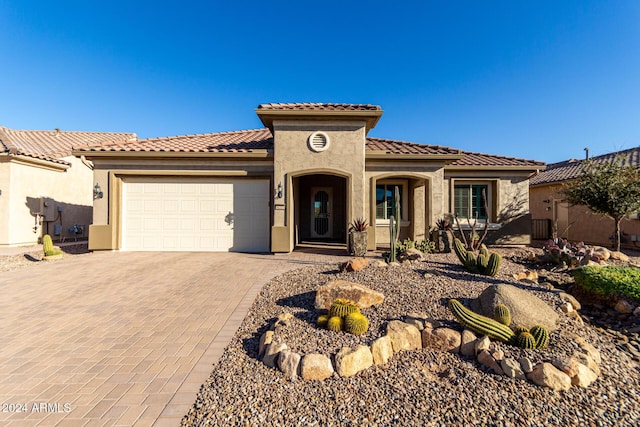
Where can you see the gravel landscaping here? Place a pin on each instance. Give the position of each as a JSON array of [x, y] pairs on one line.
[[422, 387]]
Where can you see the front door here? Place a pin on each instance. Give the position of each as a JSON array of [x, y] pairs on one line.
[[321, 205]]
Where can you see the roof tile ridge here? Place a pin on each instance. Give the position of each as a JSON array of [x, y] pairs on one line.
[[500, 156], [196, 135], [413, 143]]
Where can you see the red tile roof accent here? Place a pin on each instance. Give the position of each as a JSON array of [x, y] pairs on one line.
[[572, 169], [224, 142], [471, 159], [52, 145], [311, 106], [400, 147]]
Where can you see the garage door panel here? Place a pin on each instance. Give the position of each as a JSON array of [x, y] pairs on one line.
[[196, 215]]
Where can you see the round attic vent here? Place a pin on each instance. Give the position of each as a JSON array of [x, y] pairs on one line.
[[318, 141]]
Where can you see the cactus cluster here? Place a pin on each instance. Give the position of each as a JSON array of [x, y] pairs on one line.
[[498, 328], [344, 315], [485, 263]]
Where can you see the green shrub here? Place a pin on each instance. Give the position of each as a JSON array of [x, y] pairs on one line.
[[610, 280], [426, 246]]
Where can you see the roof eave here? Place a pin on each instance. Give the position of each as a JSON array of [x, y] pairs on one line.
[[259, 154], [530, 168], [34, 161], [385, 155], [267, 116]]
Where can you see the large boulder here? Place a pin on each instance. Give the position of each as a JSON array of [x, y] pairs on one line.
[[547, 375], [360, 294], [526, 308]]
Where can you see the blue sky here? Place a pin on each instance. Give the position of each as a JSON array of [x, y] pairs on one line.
[[539, 80]]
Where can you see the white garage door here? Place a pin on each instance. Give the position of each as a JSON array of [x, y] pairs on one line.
[[195, 215]]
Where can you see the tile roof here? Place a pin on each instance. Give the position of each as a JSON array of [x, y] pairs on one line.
[[223, 142], [571, 169], [247, 141], [472, 159], [311, 106], [400, 147], [52, 145]]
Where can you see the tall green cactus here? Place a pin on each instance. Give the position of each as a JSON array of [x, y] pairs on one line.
[[480, 324]]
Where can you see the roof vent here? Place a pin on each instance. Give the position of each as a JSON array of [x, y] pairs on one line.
[[318, 141]]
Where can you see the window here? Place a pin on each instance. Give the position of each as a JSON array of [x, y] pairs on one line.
[[468, 201], [385, 201]]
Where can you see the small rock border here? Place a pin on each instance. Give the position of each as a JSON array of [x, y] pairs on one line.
[[418, 331]]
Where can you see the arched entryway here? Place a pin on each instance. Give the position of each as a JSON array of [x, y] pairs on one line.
[[320, 209]]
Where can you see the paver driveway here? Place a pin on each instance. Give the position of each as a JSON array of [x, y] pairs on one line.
[[122, 338]]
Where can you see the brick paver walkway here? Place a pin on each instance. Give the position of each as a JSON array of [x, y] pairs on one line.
[[122, 338]]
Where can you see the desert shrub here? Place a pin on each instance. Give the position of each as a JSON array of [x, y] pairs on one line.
[[610, 280]]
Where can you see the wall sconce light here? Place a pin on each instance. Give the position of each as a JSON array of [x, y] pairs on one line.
[[546, 201], [97, 192], [279, 191]]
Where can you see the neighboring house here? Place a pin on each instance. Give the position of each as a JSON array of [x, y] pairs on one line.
[[553, 217], [43, 187], [304, 177]]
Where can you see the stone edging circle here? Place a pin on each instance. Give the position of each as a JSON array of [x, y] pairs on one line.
[[417, 331]]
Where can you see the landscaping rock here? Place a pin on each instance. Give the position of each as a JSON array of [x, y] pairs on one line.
[[636, 312], [355, 264], [526, 364], [487, 360], [441, 339], [547, 375], [416, 319], [583, 377], [568, 365], [468, 343], [482, 344], [588, 361], [593, 352], [512, 368], [526, 308], [272, 352], [575, 316], [570, 299], [602, 253], [281, 321], [382, 350], [403, 336], [265, 340], [432, 323], [361, 295], [566, 307], [624, 307], [288, 362], [315, 367], [351, 361], [619, 256]]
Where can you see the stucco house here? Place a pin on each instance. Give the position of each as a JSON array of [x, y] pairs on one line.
[[43, 187], [553, 217], [303, 177]]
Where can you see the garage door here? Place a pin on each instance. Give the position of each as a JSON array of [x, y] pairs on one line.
[[195, 215]]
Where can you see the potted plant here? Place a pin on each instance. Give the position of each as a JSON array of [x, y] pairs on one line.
[[442, 234], [358, 237]]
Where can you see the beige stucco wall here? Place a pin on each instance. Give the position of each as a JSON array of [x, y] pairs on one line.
[[71, 190], [293, 157], [5, 195], [583, 225], [423, 184]]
